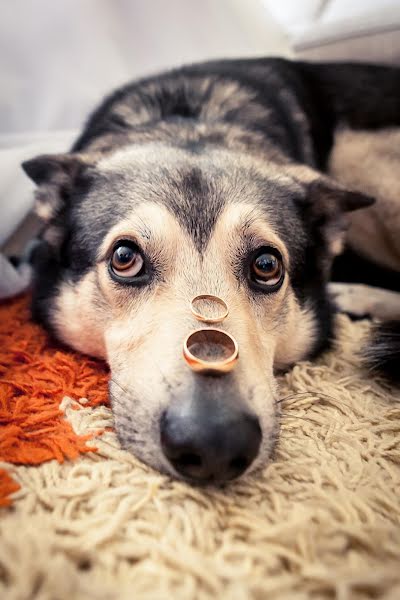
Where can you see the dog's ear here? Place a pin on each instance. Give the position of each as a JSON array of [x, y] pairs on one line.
[[326, 206], [328, 197], [46, 167], [55, 175]]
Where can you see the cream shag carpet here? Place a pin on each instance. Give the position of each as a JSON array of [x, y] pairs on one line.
[[321, 522]]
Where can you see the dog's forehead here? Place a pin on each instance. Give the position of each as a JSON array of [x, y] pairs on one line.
[[162, 168], [194, 188]]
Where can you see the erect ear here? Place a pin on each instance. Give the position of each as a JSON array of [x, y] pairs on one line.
[[326, 205], [55, 175], [330, 197]]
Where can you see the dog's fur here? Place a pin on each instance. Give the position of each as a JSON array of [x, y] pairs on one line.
[[200, 167]]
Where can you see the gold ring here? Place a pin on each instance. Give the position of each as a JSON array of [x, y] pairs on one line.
[[200, 346], [204, 318]]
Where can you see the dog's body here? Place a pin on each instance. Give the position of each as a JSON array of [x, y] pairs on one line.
[[198, 177]]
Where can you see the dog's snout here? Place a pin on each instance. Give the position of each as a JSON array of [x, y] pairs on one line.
[[210, 445]]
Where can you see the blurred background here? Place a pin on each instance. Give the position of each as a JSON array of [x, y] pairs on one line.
[[58, 58]]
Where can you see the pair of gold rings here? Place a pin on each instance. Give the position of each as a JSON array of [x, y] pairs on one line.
[[210, 350]]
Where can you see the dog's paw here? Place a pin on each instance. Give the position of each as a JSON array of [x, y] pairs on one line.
[[360, 300], [351, 299]]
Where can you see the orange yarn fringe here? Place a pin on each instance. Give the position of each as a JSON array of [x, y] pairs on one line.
[[35, 374], [7, 487]]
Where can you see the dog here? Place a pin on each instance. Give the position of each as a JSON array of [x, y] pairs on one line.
[[250, 180]]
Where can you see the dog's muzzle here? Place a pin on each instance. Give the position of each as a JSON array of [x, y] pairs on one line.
[[210, 435]]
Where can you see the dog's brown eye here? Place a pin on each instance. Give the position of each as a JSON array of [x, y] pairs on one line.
[[267, 268], [126, 260]]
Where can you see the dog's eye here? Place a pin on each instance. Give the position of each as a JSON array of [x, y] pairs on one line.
[[266, 269], [126, 260]]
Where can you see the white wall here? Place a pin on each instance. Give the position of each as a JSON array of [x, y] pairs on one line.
[[59, 57]]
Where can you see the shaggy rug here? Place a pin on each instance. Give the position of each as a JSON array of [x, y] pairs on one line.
[[81, 519]]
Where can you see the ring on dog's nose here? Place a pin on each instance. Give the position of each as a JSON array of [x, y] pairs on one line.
[[213, 299], [210, 351]]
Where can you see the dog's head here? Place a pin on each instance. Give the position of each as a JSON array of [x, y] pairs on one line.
[[133, 237]]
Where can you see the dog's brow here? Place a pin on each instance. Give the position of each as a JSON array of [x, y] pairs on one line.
[[143, 229], [256, 229], [250, 219], [146, 226], [141, 234]]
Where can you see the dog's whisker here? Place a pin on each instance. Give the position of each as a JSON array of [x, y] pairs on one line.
[[298, 395], [302, 418], [295, 395], [164, 377], [113, 380]]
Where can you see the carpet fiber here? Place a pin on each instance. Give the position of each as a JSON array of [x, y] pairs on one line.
[[81, 519]]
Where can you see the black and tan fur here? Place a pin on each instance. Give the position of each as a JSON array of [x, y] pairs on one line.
[[200, 167]]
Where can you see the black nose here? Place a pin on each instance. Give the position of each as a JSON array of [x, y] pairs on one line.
[[210, 445]]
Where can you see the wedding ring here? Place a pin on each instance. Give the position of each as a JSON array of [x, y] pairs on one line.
[[210, 351], [209, 298]]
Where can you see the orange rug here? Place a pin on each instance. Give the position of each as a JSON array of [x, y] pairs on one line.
[[35, 375]]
